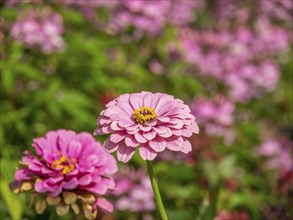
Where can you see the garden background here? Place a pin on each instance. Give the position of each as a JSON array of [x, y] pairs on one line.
[[230, 61]]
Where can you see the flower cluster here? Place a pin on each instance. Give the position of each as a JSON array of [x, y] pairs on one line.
[[237, 50], [133, 191], [68, 169], [40, 29], [145, 16], [152, 121], [216, 116], [278, 152], [151, 16]]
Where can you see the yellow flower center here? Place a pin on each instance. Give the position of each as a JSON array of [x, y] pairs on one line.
[[65, 164], [144, 115]]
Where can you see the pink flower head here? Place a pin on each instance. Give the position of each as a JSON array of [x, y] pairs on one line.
[[67, 167], [150, 121]]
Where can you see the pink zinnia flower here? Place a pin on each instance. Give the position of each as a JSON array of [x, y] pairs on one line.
[[67, 167], [150, 121]]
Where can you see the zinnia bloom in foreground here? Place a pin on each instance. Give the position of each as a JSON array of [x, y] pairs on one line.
[[150, 121], [69, 169]]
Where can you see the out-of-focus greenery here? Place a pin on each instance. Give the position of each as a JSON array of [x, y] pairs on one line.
[[68, 90]]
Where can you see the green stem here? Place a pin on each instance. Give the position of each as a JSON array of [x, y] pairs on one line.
[[156, 191], [53, 214]]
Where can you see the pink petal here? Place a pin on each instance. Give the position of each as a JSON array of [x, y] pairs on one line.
[[163, 131], [175, 144], [135, 101], [123, 98], [145, 128], [98, 131], [114, 110], [186, 133], [106, 129], [85, 180], [163, 119], [98, 188], [147, 100], [149, 135], [158, 144], [103, 120], [162, 101], [140, 138], [179, 124], [186, 147], [147, 153], [74, 149], [126, 108], [115, 126], [110, 146], [194, 128], [104, 204], [124, 153], [131, 142], [177, 132], [116, 137], [72, 184]]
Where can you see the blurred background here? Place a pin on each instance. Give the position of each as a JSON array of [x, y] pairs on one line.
[[230, 61]]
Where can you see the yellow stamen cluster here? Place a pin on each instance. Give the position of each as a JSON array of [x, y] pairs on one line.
[[144, 115], [63, 163]]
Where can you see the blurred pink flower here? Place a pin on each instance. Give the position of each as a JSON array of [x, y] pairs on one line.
[[133, 191], [156, 67], [237, 49], [152, 121], [67, 167], [216, 116], [40, 28], [229, 215], [151, 16], [278, 152]]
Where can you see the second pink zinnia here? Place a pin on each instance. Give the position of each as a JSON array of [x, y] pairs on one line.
[[150, 121]]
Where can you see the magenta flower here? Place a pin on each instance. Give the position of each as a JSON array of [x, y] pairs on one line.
[[150, 121], [68, 167]]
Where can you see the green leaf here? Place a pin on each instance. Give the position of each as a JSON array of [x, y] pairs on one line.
[[12, 201]]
